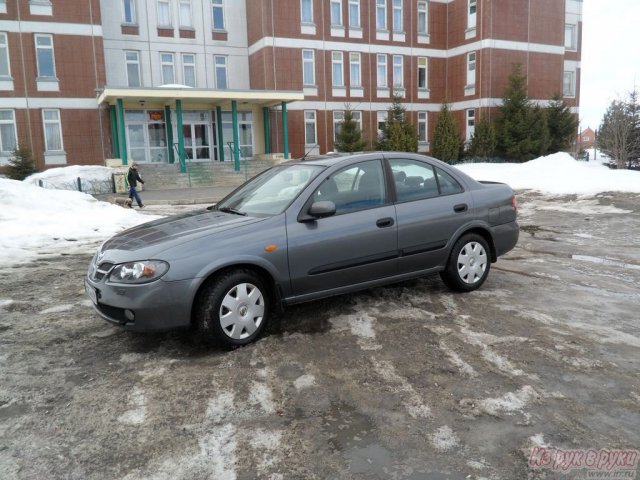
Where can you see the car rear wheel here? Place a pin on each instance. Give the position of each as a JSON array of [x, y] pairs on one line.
[[468, 265], [233, 308]]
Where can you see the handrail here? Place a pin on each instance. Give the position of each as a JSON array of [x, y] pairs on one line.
[[243, 159], [183, 161]]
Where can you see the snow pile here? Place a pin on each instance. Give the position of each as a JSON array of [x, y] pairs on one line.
[[94, 179], [36, 219], [557, 174]]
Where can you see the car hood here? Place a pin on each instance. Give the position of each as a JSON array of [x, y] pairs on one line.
[[165, 233]]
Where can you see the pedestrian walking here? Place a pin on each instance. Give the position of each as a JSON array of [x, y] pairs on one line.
[[133, 177]]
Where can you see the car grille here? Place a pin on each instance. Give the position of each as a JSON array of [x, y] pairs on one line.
[[102, 270]]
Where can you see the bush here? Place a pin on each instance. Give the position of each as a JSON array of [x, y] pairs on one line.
[[21, 164]]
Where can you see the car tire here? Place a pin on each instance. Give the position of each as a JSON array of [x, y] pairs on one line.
[[468, 265], [233, 308]]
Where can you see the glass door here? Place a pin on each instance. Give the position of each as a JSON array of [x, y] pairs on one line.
[[196, 131]]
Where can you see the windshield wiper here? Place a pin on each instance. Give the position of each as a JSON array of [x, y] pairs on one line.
[[231, 210]]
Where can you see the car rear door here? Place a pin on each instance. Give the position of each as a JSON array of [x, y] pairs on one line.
[[357, 244], [431, 206]]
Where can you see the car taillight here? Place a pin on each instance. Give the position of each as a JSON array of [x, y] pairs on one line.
[[514, 203]]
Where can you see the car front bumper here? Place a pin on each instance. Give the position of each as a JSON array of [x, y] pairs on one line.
[[146, 307]]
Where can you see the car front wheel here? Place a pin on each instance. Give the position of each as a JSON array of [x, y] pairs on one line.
[[233, 308], [468, 265]]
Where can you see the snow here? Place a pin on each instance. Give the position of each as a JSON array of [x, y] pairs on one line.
[[36, 221]]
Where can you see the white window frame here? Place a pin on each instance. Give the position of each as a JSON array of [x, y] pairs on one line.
[[217, 67], [423, 126], [398, 71], [569, 88], [337, 66], [471, 69], [53, 56], [310, 118], [335, 6], [381, 118], [472, 14], [470, 122], [46, 123], [160, 7], [381, 14], [132, 11], [382, 72], [189, 64], [423, 18], [310, 82], [3, 149], [4, 52], [423, 64], [398, 21], [309, 20], [185, 6], [3, 6], [218, 5], [354, 19], [338, 118], [355, 69], [128, 62], [570, 36], [164, 63]]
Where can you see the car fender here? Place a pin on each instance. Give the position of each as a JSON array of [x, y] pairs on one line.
[[472, 225]]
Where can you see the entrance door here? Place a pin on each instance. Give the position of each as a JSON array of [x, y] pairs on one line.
[[196, 141]]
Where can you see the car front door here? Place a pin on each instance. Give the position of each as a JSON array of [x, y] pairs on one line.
[[431, 206], [356, 244]]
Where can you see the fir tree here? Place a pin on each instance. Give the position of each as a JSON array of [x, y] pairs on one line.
[[398, 134], [21, 164], [349, 136], [446, 143], [563, 125], [484, 141]]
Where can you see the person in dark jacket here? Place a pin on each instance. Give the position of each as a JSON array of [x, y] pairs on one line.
[[133, 177]]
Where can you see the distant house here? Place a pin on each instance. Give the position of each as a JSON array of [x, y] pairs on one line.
[[586, 139]]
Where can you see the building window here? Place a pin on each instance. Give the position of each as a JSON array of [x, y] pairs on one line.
[[471, 69], [52, 130], [129, 11], [381, 14], [570, 37], [354, 70], [132, 60], [422, 127], [164, 13], [308, 67], [381, 118], [310, 127], [189, 69], [44, 56], [423, 18], [336, 13], [5, 69], [306, 11], [8, 132], [220, 62], [398, 71], [471, 123], [336, 69], [146, 135], [338, 118], [382, 71], [354, 13], [168, 68], [471, 16], [217, 12], [3, 6], [185, 14], [397, 15], [569, 84], [422, 73]]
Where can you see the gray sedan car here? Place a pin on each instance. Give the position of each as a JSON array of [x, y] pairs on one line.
[[300, 231]]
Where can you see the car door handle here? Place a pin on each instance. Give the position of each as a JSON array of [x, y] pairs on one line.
[[461, 207], [385, 222]]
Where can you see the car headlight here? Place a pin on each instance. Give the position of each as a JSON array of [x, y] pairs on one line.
[[143, 271]]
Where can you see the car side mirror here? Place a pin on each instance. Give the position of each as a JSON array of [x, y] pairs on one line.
[[317, 210]]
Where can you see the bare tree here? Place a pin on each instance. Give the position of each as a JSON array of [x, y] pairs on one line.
[[617, 136]]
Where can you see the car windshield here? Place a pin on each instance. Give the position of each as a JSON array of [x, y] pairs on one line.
[[271, 192]]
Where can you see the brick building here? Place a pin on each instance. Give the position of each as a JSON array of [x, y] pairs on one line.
[[158, 81], [51, 63]]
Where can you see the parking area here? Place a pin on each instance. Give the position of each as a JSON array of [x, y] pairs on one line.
[[409, 381]]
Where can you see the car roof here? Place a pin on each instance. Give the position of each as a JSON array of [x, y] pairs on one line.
[[330, 159]]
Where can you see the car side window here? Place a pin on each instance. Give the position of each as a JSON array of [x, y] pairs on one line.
[[353, 188], [414, 180], [448, 184]]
